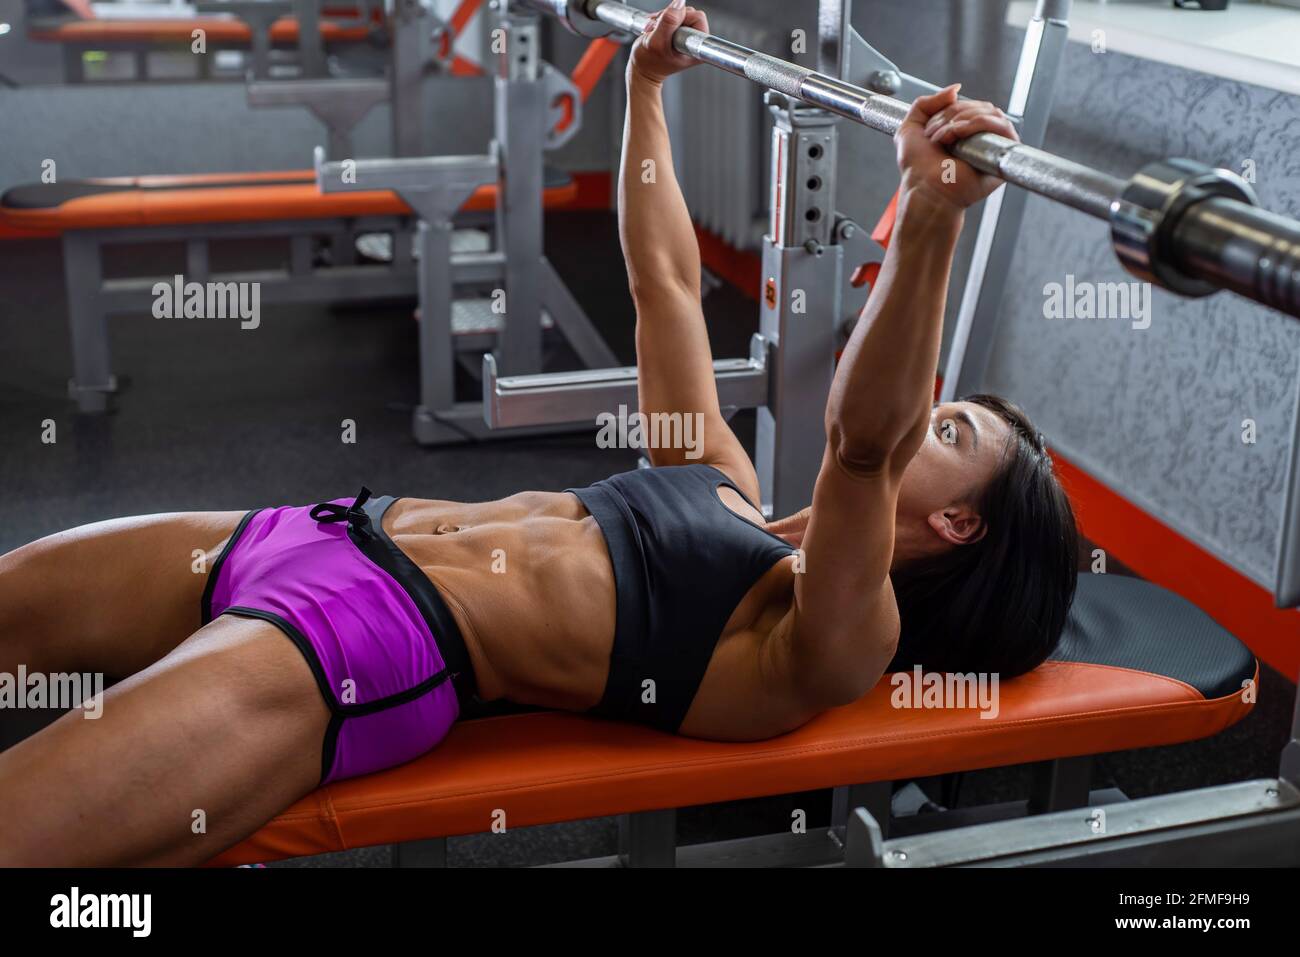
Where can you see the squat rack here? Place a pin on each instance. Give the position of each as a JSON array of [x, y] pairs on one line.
[[1181, 225]]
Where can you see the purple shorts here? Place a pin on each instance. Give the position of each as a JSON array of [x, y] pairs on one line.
[[363, 615]]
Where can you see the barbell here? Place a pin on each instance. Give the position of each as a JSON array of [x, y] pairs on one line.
[[1177, 223]]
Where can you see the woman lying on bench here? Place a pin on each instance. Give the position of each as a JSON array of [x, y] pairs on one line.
[[937, 535]]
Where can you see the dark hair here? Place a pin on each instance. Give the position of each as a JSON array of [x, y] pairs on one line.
[[997, 605]]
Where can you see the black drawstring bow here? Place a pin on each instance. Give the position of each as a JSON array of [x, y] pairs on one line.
[[330, 513]]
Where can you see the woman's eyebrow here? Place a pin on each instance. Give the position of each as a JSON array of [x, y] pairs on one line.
[[964, 416]]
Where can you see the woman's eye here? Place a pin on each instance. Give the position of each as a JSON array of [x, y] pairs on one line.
[[948, 432]]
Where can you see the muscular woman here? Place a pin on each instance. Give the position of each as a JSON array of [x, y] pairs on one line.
[[324, 642]]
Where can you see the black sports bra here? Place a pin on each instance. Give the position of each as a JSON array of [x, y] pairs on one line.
[[682, 563]]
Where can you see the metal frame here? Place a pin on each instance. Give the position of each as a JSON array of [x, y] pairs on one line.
[[649, 838], [1188, 228], [434, 188], [92, 299], [808, 302], [339, 104], [526, 94]]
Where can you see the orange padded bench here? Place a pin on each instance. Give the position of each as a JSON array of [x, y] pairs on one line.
[[89, 33], [1138, 667], [199, 209], [113, 203]]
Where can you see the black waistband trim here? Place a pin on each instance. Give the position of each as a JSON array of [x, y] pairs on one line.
[[205, 604]]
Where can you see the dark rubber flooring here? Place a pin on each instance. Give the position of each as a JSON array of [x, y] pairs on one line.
[[213, 417]]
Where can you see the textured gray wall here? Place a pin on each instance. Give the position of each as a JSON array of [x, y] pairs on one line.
[[1157, 413]]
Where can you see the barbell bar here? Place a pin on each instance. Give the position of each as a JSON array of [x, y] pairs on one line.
[[1177, 223]]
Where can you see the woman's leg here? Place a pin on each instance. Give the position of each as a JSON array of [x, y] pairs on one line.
[[189, 756], [112, 597]]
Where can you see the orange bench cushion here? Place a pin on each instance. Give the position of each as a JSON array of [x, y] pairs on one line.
[[547, 767], [218, 30], [226, 197]]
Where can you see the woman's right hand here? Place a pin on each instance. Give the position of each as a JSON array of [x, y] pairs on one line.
[[653, 55], [936, 122]]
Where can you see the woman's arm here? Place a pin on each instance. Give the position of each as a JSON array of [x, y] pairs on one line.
[[674, 361], [844, 629]]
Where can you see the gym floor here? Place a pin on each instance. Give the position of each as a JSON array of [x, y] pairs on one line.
[[192, 431]]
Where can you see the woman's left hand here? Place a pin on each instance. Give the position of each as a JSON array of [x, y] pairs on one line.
[[653, 55]]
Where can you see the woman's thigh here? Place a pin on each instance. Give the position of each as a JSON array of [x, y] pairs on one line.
[[188, 757], [112, 597]]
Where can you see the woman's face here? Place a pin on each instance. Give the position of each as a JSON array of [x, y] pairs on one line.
[[942, 484]]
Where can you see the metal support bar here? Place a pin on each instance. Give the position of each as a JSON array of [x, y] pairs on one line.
[[1286, 581], [975, 333], [1290, 767], [833, 29], [339, 104], [521, 114], [259, 15], [799, 310], [875, 797], [311, 48], [412, 25], [1253, 822], [1224, 242], [92, 381], [556, 398]]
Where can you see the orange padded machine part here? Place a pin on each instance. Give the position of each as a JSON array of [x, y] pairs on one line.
[[90, 32], [551, 766], [587, 73], [227, 197]]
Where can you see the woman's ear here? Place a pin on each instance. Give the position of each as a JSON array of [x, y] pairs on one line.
[[958, 525]]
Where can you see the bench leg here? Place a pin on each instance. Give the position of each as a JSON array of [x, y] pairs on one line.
[[92, 378], [437, 348], [875, 797], [648, 839], [1060, 785], [428, 853]]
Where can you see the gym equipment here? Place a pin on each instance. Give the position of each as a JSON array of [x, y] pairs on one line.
[[809, 246], [1183, 226], [538, 109], [196, 210], [261, 26]]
